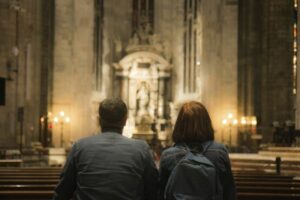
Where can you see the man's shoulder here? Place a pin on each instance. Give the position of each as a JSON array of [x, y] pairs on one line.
[[108, 136], [136, 142], [85, 141]]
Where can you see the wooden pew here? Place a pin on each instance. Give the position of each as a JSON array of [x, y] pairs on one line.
[[11, 162], [267, 196], [26, 195], [268, 189], [30, 169], [28, 183], [272, 163], [266, 186], [39, 184], [27, 187]]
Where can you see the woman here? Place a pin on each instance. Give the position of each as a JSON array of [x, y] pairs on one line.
[[193, 128]]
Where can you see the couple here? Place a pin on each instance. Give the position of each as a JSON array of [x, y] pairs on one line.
[[111, 166]]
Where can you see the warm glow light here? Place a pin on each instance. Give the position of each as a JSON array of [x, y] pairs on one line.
[[235, 121], [67, 119], [243, 121], [55, 119], [62, 113], [254, 122], [198, 63], [224, 121], [42, 119], [230, 115], [49, 114]]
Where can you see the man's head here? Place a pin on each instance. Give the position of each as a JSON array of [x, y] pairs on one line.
[[112, 114]]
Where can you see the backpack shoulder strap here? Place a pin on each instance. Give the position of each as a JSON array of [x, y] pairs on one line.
[[205, 146]]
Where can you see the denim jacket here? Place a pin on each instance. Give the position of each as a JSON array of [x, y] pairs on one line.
[[108, 166], [216, 153]]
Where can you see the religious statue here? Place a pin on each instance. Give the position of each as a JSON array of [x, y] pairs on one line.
[[143, 117], [143, 99]]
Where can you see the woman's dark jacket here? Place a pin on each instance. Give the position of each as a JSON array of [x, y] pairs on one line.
[[216, 153]]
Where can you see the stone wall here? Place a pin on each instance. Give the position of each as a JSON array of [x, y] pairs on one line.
[[217, 85], [21, 25], [265, 62], [168, 24], [219, 63], [7, 40], [297, 103], [63, 79], [74, 81], [277, 100], [72, 76]]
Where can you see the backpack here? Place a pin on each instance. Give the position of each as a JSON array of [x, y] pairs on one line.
[[194, 177]]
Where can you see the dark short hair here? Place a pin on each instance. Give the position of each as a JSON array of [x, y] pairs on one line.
[[112, 113], [193, 124]]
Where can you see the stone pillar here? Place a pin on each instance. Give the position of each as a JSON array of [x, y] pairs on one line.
[[297, 117], [73, 65], [218, 66], [117, 26], [161, 99], [22, 30], [277, 97], [169, 26]]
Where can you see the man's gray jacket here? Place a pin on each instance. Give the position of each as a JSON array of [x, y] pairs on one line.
[[108, 166]]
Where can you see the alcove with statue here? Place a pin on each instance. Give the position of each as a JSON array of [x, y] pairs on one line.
[[143, 77]]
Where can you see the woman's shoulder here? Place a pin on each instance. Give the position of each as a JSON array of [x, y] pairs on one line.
[[171, 156], [217, 145], [216, 149], [174, 151]]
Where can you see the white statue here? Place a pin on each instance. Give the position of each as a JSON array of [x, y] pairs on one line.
[[143, 99]]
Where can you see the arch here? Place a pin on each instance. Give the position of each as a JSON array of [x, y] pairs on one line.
[[143, 57]]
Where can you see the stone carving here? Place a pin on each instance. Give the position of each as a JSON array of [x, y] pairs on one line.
[[145, 39], [143, 117], [143, 74], [143, 99]]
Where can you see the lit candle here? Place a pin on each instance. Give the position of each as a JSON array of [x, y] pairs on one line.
[[254, 122], [224, 121], [62, 113], [235, 122], [67, 119], [243, 121]]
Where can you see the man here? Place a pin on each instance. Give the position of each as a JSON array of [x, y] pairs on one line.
[[109, 165]]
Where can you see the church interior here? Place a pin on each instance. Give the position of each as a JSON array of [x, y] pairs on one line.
[[59, 59]]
